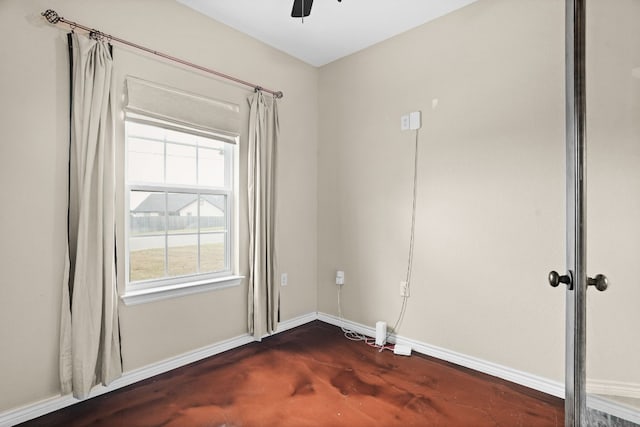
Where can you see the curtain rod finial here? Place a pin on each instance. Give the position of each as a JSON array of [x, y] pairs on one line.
[[51, 16], [278, 94]]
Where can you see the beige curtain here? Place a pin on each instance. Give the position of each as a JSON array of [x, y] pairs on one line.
[[90, 338], [264, 297]]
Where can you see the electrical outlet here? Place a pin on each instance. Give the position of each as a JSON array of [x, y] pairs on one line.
[[284, 279], [404, 122], [404, 289], [339, 278]]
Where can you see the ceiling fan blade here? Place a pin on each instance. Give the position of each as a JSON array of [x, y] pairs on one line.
[[301, 8]]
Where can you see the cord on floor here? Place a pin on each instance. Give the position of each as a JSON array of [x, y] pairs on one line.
[[356, 336]]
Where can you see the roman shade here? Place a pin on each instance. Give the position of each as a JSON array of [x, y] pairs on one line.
[[169, 105]]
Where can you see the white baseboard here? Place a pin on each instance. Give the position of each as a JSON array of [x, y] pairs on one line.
[[614, 388], [545, 385], [29, 412], [296, 321]]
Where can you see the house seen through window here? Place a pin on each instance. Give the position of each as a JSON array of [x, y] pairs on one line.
[[180, 197]]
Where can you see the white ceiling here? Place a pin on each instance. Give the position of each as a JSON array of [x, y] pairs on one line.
[[333, 30]]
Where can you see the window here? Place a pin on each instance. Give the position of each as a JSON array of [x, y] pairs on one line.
[[179, 199], [180, 191]]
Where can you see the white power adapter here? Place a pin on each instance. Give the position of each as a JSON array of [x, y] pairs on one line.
[[381, 332], [402, 350]]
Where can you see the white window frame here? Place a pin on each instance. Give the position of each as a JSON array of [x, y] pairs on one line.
[[139, 292]]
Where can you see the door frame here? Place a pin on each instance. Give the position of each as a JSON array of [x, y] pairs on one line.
[[576, 292]]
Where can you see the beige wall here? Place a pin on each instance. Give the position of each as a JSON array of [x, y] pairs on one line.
[[490, 210], [491, 204], [33, 166]]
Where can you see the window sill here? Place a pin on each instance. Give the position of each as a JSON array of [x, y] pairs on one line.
[[144, 296]]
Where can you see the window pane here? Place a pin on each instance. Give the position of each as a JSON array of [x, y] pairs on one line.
[[138, 130], [212, 252], [146, 231], [212, 213], [181, 164], [182, 209], [146, 213], [182, 254], [146, 258], [211, 162], [210, 143], [145, 160], [181, 137]]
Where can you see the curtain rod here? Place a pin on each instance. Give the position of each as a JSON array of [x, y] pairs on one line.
[[53, 18]]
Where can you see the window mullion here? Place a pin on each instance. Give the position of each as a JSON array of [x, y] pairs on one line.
[[178, 188]]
